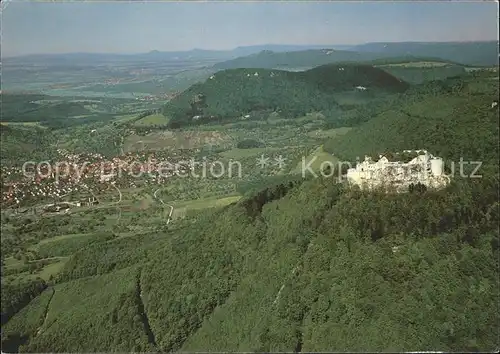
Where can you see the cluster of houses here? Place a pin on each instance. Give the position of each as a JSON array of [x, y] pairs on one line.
[[15, 192], [71, 177]]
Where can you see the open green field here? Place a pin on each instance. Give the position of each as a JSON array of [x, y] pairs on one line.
[[329, 133], [416, 64], [206, 203], [12, 263], [319, 158], [125, 117], [166, 139], [29, 124], [45, 272], [68, 244], [483, 69], [236, 153], [154, 119], [59, 238], [52, 269]]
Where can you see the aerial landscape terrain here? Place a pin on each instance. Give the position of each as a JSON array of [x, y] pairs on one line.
[[309, 195]]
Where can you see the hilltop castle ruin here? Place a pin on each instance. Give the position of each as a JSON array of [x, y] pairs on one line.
[[395, 175]]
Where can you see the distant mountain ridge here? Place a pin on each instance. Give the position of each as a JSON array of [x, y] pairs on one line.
[[483, 53], [468, 53], [195, 53], [306, 58], [464, 53]]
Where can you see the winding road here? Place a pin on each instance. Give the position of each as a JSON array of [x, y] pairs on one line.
[[161, 201]]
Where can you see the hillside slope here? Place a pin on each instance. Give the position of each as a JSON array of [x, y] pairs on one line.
[[409, 68], [26, 108], [467, 53], [305, 265], [230, 94], [295, 268], [24, 142], [457, 122], [267, 59]]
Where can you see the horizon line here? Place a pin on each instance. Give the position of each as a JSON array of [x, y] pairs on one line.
[[326, 46]]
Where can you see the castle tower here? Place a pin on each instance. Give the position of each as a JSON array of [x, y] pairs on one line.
[[437, 167]]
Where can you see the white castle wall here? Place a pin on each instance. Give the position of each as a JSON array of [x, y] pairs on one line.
[[425, 169]]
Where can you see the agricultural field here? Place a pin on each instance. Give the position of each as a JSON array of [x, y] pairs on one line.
[[152, 120], [189, 139], [417, 64]]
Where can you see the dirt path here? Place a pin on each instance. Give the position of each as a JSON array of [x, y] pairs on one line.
[[39, 330]]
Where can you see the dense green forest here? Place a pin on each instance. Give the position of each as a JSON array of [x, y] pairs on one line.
[[53, 112], [452, 119], [28, 108], [303, 265], [293, 268], [231, 94], [24, 142], [17, 296]]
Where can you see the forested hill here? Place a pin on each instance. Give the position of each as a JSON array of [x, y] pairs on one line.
[[230, 94], [305, 58], [466, 53], [481, 53], [24, 142]]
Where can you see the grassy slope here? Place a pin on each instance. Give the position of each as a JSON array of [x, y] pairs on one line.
[[24, 143], [216, 285], [154, 119], [317, 159], [66, 245]]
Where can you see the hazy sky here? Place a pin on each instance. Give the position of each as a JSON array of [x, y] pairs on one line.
[[125, 27]]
